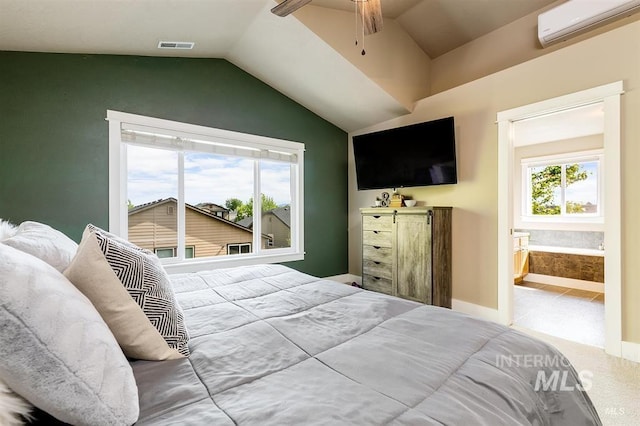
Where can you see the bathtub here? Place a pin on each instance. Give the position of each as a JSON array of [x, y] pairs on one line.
[[567, 250], [567, 267]]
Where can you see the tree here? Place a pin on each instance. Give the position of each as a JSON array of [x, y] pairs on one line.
[[246, 209], [233, 203], [546, 181], [130, 205]]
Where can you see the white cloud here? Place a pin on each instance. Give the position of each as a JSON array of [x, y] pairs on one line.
[[208, 178]]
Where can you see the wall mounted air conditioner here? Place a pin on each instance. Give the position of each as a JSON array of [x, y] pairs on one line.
[[577, 16]]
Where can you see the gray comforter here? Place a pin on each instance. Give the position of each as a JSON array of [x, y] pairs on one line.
[[272, 346]]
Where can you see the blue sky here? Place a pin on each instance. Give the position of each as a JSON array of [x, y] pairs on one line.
[[153, 174], [586, 190]]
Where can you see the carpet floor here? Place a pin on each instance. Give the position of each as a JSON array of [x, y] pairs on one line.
[[615, 389]]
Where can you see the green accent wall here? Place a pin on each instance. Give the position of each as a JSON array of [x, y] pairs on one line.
[[54, 137]]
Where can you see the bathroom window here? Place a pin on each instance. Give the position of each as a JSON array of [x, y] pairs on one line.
[[565, 188]]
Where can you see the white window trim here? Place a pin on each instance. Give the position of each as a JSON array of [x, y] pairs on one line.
[[591, 222], [118, 217]]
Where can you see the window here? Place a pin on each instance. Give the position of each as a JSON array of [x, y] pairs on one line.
[[563, 188], [239, 248], [165, 252], [162, 173]]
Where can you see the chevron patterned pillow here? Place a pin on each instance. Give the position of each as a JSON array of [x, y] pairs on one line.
[[146, 319]]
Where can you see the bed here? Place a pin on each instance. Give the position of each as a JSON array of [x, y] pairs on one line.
[[268, 345]]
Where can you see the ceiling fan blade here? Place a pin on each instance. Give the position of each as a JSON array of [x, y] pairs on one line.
[[288, 6], [372, 16]]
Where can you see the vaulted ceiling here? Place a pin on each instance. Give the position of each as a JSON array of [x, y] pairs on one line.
[[283, 52], [439, 26]]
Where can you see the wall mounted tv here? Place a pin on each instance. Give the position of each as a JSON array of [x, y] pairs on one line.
[[417, 155]]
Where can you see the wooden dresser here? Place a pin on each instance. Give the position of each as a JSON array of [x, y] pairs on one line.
[[406, 252]]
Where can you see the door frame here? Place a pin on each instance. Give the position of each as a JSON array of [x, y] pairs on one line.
[[609, 95]]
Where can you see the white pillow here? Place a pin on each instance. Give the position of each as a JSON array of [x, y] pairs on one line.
[[45, 243], [7, 229], [13, 409], [55, 349]]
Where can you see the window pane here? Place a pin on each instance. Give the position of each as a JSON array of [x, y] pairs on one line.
[[275, 181], [164, 252], [581, 193], [188, 252], [152, 191], [213, 219], [245, 248], [545, 189], [233, 249]]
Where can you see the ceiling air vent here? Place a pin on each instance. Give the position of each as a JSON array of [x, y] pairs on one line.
[[176, 45]]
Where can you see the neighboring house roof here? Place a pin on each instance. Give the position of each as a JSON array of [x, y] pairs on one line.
[[146, 206], [212, 207], [247, 222], [282, 213]]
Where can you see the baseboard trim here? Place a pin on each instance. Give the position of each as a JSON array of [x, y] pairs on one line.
[[475, 310], [565, 282], [345, 278], [631, 351]]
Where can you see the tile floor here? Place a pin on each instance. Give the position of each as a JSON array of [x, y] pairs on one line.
[[570, 314]]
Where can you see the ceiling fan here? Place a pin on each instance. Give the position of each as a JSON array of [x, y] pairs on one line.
[[369, 10]]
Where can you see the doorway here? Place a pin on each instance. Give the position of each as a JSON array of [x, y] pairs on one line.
[[609, 96]]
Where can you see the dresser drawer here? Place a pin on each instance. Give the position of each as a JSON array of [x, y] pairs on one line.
[[381, 285], [376, 269], [377, 223], [376, 238], [377, 253]]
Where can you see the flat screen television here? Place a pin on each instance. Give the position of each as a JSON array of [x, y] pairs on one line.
[[420, 154]]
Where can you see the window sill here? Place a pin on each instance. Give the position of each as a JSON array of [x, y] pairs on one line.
[[229, 262]]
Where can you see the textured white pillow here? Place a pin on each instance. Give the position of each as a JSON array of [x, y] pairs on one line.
[[45, 243], [55, 349], [7, 229], [13, 408], [133, 293]]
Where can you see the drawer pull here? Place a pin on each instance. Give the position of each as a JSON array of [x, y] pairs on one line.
[[376, 278], [376, 232], [376, 216], [376, 247], [376, 262]]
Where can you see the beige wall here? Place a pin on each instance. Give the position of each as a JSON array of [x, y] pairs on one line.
[[505, 47], [393, 60], [608, 57]]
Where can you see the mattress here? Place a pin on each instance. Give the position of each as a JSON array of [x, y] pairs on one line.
[[273, 346]]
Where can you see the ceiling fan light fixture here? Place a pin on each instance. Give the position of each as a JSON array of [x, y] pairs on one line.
[[370, 13], [288, 6]]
